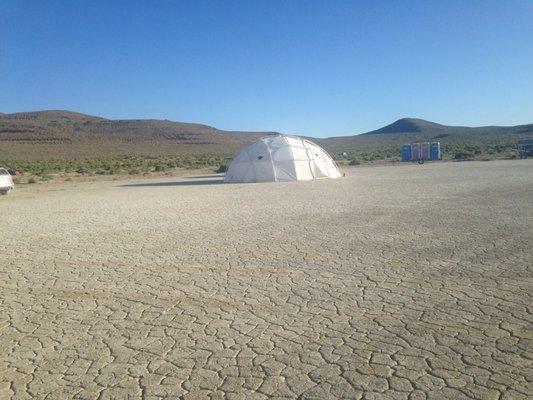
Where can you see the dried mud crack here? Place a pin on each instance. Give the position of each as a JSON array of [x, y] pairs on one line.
[[411, 282]]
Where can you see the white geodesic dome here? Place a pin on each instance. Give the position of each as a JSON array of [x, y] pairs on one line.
[[281, 158]]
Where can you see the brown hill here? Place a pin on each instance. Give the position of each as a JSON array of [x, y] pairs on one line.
[[64, 134]]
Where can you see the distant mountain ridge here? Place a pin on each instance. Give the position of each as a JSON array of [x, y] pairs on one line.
[[64, 134], [417, 125], [408, 125], [415, 129], [51, 115], [67, 134], [83, 123]]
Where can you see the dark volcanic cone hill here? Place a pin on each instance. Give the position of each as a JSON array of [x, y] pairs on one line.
[[414, 129], [408, 125]]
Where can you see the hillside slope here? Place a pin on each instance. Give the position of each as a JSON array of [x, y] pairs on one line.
[[413, 129], [409, 125], [64, 134]]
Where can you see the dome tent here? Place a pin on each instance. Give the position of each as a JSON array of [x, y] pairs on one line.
[[281, 158]]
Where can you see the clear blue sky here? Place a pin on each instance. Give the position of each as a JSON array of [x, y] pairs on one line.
[[319, 68]]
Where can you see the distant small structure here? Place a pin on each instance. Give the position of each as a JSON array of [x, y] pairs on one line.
[[281, 158], [415, 151], [524, 147], [406, 152], [435, 151], [424, 151], [421, 151]]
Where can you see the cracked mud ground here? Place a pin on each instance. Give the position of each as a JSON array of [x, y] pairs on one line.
[[406, 282]]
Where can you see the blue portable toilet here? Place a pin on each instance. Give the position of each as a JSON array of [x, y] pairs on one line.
[[406, 152], [435, 151]]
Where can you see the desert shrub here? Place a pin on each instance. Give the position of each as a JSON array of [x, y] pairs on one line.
[[115, 164], [221, 168], [82, 170], [463, 155]]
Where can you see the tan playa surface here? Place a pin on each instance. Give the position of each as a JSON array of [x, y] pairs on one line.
[[404, 282]]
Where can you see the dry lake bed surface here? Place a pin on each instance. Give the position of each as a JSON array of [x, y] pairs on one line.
[[396, 282]]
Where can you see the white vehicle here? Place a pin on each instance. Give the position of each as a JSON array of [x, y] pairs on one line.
[[6, 181]]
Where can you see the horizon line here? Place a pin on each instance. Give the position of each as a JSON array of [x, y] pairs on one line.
[[265, 130]]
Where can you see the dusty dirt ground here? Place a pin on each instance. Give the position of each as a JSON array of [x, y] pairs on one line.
[[405, 282]]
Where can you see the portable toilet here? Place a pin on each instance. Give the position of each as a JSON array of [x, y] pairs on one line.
[[415, 151], [424, 150], [435, 151], [406, 152]]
